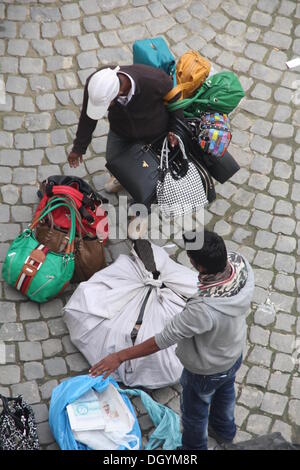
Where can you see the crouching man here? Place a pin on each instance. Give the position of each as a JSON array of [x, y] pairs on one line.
[[210, 334]]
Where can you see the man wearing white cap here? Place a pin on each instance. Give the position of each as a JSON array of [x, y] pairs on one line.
[[133, 96]]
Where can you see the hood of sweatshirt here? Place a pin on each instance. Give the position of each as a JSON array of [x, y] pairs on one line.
[[234, 306]]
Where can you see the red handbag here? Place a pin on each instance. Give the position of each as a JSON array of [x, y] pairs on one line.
[[94, 218]]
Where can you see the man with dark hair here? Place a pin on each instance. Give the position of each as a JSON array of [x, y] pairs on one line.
[[210, 334]]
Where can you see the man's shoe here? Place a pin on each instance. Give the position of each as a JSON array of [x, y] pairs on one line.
[[220, 440], [113, 185]]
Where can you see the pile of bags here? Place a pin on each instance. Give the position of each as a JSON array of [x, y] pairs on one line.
[[180, 179]]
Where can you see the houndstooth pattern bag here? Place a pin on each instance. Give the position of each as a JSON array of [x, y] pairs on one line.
[[182, 195], [17, 425]]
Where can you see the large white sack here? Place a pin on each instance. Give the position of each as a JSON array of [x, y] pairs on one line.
[[103, 311]]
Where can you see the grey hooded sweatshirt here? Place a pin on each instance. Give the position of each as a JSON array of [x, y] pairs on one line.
[[211, 331]]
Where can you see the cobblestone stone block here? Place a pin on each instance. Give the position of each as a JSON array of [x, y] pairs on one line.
[[16, 12], [261, 19], [24, 176], [29, 311], [30, 30], [261, 356], [88, 42], [71, 28], [40, 413], [285, 322], [56, 154], [65, 47], [55, 366], [274, 403], [258, 424], [46, 389], [70, 12], [21, 214], [262, 72], [256, 107], [24, 103], [10, 194], [40, 83], [284, 283], [259, 335], [283, 363], [50, 30], [52, 347], [43, 47], [12, 123], [109, 39], [285, 263], [30, 351], [18, 47], [31, 66], [12, 332], [76, 362], [33, 370], [241, 414], [66, 117], [37, 331], [261, 127], [278, 382], [295, 387], [29, 195], [57, 327], [264, 259], [10, 375], [282, 342], [9, 231], [261, 219], [258, 376], [66, 81], [46, 102], [45, 14], [68, 345], [10, 157], [251, 397], [92, 24], [282, 131], [28, 390]]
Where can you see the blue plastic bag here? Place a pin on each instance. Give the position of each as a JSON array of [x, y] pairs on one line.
[[166, 435], [155, 52], [69, 391]]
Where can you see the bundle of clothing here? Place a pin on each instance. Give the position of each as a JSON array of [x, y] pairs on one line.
[[127, 303]]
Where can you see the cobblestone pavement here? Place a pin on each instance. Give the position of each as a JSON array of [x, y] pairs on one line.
[[47, 51]]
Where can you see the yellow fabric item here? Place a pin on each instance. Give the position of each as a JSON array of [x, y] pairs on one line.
[[191, 71]]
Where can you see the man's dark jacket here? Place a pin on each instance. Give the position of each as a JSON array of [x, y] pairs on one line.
[[144, 118]]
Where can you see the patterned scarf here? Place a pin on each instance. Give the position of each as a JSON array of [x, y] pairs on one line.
[[226, 283]]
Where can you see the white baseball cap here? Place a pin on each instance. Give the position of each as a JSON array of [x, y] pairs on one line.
[[103, 88]]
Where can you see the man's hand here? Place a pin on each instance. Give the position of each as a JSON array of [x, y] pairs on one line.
[[172, 139], [106, 366], [74, 159]]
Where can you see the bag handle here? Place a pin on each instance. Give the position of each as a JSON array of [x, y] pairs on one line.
[[49, 208], [164, 158]]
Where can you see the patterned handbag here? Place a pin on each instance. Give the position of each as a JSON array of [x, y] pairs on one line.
[[182, 193], [214, 134], [17, 425]]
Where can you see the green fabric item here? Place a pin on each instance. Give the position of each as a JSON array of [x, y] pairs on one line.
[[221, 92], [56, 271]]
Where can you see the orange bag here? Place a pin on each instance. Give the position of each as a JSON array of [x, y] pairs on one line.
[[191, 71]]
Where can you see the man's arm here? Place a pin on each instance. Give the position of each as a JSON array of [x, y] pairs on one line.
[[111, 362], [86, 127]]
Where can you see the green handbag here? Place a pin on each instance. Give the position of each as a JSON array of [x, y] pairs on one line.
[[32, 268], [221, 92]]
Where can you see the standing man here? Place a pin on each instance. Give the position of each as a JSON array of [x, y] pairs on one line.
[[133, 96], [210, 334]]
